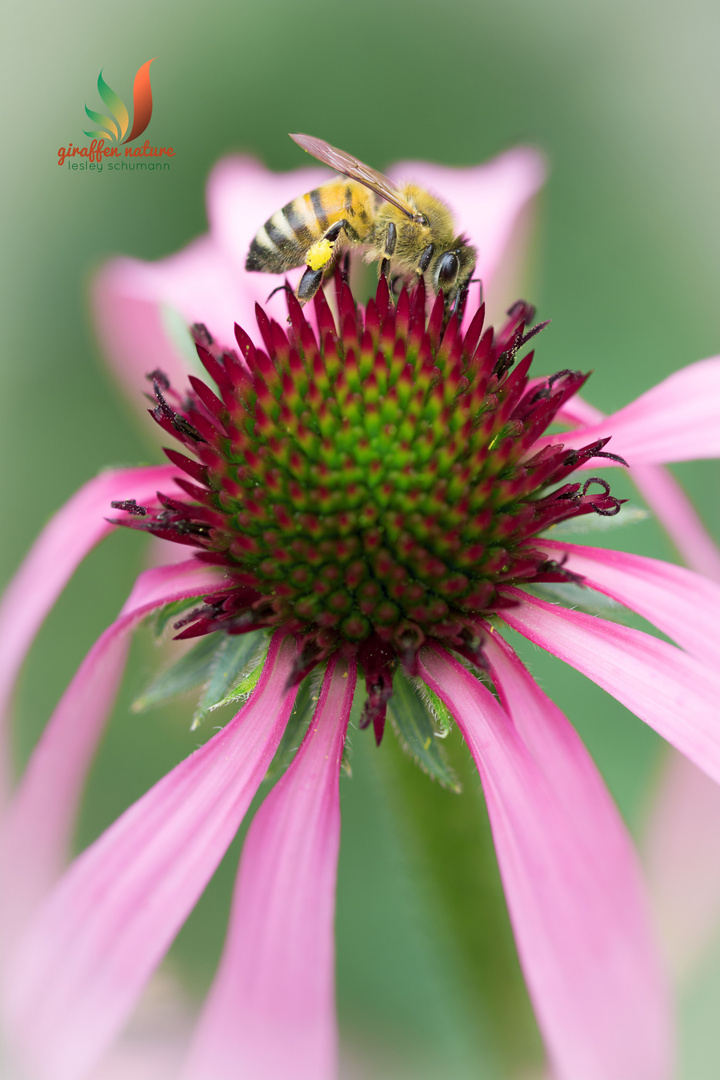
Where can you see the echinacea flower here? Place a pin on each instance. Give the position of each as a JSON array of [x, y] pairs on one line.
[[364, 492]]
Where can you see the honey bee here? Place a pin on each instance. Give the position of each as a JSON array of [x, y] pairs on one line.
[[410, 232]]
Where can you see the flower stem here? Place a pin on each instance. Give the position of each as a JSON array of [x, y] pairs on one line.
[[451, 848]]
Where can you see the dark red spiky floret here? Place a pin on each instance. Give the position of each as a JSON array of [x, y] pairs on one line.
[[372, 487]]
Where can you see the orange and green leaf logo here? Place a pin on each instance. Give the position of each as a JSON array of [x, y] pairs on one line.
[[113, 128]]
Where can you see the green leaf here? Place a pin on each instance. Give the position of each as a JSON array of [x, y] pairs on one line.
[[356, 711], [591, 523], [438, 710], [172, 612], [192, 669], [582, 599], [231, 661], [414, 728], [246, 686]]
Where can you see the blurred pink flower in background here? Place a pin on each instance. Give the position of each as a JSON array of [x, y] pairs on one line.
[[81, 948]]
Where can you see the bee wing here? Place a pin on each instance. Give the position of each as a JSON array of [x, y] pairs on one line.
[[356, 170]]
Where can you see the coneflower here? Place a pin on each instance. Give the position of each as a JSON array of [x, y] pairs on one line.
[[367, 498]]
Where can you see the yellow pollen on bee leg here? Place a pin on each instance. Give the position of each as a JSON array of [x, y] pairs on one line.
[[319, 254]]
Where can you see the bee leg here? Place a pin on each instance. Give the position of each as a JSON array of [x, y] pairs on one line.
[[425, 258], [460, 302], [334, 231], [390, 242], [319, 257], [310, 282], [345, 269]]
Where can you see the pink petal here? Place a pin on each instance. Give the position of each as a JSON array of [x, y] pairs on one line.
[[36, 830], [664, 496], [63, 544], [271, 1014], [81, 965], [493, 206], [560, 752], [671, 691], [577, 915], [677, 420], [680, 842], [680, 849], [678, 601]]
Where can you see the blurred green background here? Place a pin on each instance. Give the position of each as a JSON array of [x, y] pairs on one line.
[[623, 98]]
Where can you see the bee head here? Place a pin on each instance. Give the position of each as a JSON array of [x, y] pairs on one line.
[[453, 268]]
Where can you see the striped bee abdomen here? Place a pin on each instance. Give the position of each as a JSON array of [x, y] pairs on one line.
[[285, 237]]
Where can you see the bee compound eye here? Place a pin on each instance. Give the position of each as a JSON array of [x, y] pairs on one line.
[[448, 267]]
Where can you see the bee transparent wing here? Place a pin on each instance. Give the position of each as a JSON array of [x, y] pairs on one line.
[[356, 170]]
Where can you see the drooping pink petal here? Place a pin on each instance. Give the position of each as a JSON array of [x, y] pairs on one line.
[[680, 845], [577, 916], [678, 601], [677, 420], [36, 830], [670, 690], [561, 754], [83, 961], [664, 496], [270, 1013], [493, 205], [63, 544], [683, 822]]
